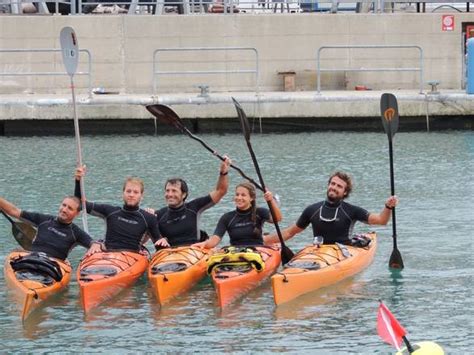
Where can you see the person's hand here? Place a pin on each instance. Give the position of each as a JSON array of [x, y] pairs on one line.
[[149, 210], [225, 165], [80, 172], [96, 247], [268, 196], [391, 202], [201, 245], [161, 243]]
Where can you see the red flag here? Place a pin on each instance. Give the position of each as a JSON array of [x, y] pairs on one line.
[[388, 327]]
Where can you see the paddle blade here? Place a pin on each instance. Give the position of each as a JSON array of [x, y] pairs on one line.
[[286, 255], [396, 261], [166, 115], [69, 49], [244, 122], [389, 113], [388, 327], [24, 234]]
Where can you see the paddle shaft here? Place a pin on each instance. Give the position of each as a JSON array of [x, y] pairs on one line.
[[269, 203], [7, 217], [256, 184], [392, 186]]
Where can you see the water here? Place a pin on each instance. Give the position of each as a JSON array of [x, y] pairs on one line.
[[431, 297]]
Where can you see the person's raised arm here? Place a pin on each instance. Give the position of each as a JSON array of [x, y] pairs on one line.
[[78, 175], [286, 233], [268, 196], [223, 182], [383, 217], [9, 208]]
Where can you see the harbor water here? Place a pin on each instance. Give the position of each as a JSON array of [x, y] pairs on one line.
[[432, 297]]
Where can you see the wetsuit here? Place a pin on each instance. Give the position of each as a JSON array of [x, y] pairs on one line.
[[127, 228], [54, 238], [180, 225], [238, 224], [333, 221]]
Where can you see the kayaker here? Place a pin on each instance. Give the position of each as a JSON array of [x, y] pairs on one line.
[[56, 235], [334, 219], [244, 224], [179, 220], [127, 227]]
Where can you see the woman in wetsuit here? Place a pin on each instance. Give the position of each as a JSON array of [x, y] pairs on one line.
[[244, 224]]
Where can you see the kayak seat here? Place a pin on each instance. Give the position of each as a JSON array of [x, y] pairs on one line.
[[168, 267], [38, 263], [102, 270], [34, 276], [236, 256], [303, 264]]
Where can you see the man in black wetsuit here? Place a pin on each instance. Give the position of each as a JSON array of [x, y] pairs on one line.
[[334, 219], [179, 221], [56, 235], [129, 226]]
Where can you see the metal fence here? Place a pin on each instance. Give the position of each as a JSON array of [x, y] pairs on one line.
[[159, 7], [373, 69], [10, 73], [158, 71]]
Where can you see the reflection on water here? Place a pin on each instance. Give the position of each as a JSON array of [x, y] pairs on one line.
[[432, 296]]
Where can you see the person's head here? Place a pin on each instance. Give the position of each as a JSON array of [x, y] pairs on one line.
[[245, 196], [133, 188], [176, 191], [339, 186], [69, 209]]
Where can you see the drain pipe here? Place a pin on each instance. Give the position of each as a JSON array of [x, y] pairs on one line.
[[427, 114]]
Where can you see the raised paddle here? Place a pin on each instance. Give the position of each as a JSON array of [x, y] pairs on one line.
[[70, 52], [166, 115], [24, 233], [389, 113], [286, 253]]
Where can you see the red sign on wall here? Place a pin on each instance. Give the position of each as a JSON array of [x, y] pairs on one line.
[[447, 23]]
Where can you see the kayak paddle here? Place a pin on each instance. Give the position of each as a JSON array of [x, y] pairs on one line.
[[24, 233], [166, 115], [70, 52], [286, 253], [389, 113]]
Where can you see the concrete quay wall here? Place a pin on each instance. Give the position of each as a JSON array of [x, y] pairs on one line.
[[122, 50]]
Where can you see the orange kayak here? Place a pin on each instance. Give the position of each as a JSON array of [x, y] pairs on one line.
[[34, 277], [316, 267], [103, 275], [235, 270], [173, 271]]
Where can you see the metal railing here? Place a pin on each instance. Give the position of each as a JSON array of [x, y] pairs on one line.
[[88, 73], [388, 69], [156, 64]]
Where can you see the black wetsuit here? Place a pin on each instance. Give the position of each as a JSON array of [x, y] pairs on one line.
[[238, 224], [54, 238], [127, 228], [180, 225], [334, 222]]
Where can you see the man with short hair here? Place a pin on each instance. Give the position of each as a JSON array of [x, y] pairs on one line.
[[334, 219], [56, 235], [129, 226], [179, 220]]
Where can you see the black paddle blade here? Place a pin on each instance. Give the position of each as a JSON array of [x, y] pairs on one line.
[[286, 255], [24, 234], [389, 113], [244, 122], [396, 261], [166, 115]]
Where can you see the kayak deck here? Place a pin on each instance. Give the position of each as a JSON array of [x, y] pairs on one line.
[[236, 278], [316, 267], [173, 271], [103, 275], [31, 288]]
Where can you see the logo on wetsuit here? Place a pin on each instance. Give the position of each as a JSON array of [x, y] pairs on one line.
[[127, 220], [55, 231]]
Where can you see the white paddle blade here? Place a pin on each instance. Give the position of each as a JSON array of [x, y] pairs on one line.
[[69, 49]]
